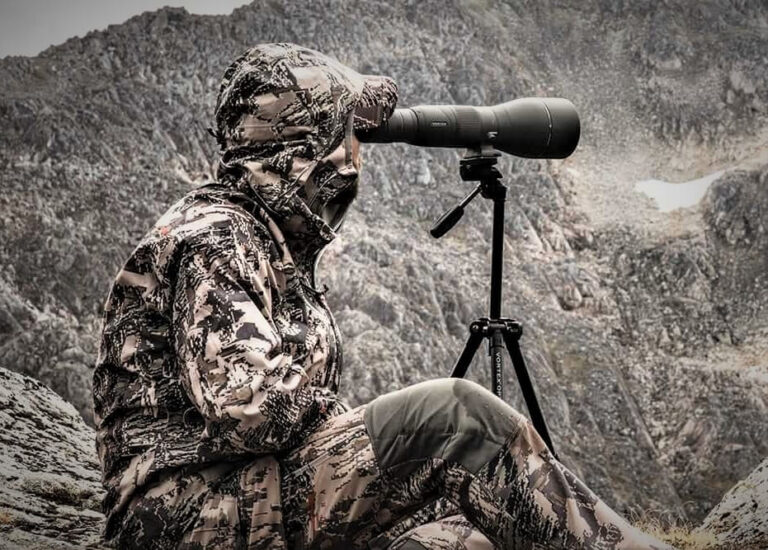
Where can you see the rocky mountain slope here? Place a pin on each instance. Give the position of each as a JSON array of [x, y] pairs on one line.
[[645, 331]]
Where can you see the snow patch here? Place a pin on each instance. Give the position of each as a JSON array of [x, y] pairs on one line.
[[671, 196]]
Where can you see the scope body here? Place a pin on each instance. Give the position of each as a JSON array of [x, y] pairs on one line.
[[530, 127]]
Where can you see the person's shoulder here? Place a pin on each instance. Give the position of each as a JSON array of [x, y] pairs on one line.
[[207, 213], [209, 218], [205, 221]]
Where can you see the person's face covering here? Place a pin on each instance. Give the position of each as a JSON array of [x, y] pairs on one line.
[[346, 183], [333, 213]]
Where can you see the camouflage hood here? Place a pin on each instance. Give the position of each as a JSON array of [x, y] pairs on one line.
[[285, 117]]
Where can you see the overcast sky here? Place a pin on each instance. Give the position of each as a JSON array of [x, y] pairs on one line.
[[27, 27]]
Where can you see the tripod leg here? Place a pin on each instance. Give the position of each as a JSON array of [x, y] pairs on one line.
[[497, 362], [529, 394], [470, 348]]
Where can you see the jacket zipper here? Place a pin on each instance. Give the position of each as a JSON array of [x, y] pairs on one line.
[[336, 352]]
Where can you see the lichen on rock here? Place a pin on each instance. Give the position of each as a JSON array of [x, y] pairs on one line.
[[50, 489]]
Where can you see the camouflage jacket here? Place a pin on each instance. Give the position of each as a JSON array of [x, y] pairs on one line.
[[216, 344]]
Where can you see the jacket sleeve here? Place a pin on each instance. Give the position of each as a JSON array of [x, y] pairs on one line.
[[252, 395]]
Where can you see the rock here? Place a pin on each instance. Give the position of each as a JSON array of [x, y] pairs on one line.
[[50, 489], [741, 518], [15, 312]]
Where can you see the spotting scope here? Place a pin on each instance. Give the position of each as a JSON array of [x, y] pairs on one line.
[[530, 127]]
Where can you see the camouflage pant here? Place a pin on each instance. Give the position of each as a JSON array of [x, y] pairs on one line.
[[445, 449], [440, 465]]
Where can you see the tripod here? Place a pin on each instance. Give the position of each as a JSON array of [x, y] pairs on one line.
[[479, 164]]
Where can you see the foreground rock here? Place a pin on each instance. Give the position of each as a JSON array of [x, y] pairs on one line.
[[741, 518], [49, 475]]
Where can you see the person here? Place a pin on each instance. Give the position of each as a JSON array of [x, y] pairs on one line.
[[216, 385]]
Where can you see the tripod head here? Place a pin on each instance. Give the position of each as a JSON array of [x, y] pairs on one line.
[[478, 164]]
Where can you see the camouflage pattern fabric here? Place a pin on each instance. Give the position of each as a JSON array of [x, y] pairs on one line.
[[293, 111], [216, 384], [447, 533], [216, 343], [341, 491]]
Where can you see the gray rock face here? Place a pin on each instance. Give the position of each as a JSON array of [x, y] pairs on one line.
[[50, 491], [741, 519], [645, 333]]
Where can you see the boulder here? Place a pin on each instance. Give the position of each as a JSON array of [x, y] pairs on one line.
[[50, 489], [741, 519]]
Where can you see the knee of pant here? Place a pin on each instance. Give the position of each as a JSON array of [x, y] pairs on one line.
[[448, 418]]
